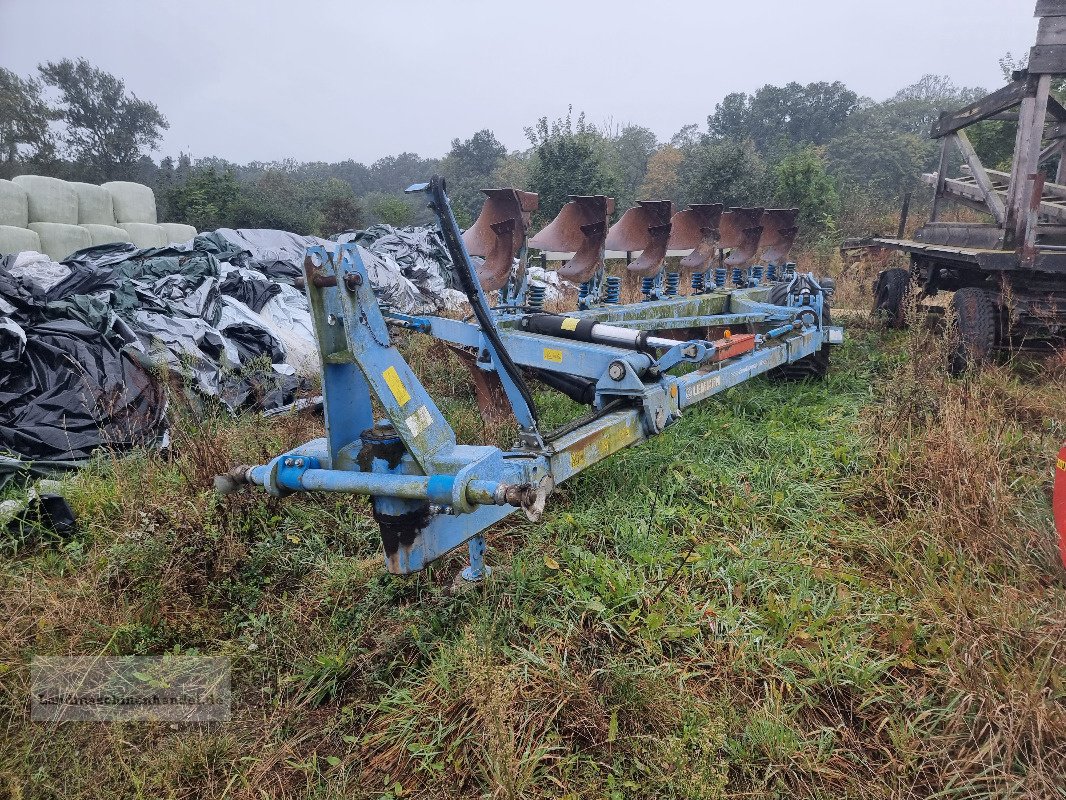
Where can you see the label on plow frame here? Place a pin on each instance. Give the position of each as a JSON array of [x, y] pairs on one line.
[[570, 324], [1058, 503], [704, 386], [553, 355], [399, 391], [419, 421]]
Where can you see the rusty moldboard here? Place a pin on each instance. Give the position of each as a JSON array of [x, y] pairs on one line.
[[644, 228], [778, 234], [696, 229], [499, 233], [580, 228], [741, 230]]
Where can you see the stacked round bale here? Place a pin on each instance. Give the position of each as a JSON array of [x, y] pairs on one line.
[[15, 233], [57, 218]]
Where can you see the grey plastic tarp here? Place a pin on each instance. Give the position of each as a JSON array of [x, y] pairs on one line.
[[80, 339]]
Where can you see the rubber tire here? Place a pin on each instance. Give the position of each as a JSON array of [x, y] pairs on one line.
[[816, 365], [972, 331], [890, 296]]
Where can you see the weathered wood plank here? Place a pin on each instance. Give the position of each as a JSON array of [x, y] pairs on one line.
[[997, 102], [1047, 59], [942, 174], [1050, 8], [977, 169], [972, 195], [1057, 190]]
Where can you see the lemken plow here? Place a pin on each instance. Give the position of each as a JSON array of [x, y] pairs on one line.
[[638, 366]]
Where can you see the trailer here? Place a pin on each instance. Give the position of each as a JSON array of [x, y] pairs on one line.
[[1007, 274], [638, 366]]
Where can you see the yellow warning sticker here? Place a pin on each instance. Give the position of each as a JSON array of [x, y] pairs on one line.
[[570, 324], [553, 355], [1061, 464], [399, 391]]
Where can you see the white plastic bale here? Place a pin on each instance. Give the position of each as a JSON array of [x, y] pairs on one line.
[[14, 205], [18, 240], [58, 240], [177, 233], [50, 199], [133, 202], [106, 234], [95, 206], [145, 235]]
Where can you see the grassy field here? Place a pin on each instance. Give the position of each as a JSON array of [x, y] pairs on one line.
[[815, 590]]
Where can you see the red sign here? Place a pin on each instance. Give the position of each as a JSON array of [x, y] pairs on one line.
[[1058, 503]]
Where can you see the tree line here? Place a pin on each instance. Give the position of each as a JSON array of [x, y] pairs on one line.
[[844, 160]]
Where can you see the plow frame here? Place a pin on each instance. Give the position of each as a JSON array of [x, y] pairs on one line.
[[430, 494]]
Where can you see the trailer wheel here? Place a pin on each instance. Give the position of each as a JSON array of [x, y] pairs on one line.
[[890, 296], [971, 329], [814, 366]]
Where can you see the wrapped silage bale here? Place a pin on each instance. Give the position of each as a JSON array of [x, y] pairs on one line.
[[177, 233], [95, 206], [145, 235], [50, 199], [133, 202], [106, 234], [14, 205], [58, 240], [18, 240]]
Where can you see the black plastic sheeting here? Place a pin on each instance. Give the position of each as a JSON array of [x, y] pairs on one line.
[[67, 390], [81, 354]]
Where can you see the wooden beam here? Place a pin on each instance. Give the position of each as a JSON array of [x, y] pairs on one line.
[[984, 183], [996, 103], [1050, 8], [970, 195], [1056, 109], [1055, 189], [942, 176], [1032, 114]]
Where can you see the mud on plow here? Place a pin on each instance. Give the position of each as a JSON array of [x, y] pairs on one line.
[[731, 309]]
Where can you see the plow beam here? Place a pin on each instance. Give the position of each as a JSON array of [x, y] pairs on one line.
[[741, 229], [778, 234], [696, 229], [499, 234], [645, 228], [581, 229]]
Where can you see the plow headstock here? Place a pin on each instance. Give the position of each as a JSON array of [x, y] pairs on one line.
[[499, 234], [778, 234], [741, 229], [580, 228], [696, 229], [645, 228]]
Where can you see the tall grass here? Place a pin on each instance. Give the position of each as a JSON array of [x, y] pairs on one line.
[[838, 589]]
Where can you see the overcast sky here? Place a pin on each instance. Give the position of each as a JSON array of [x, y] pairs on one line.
[[335, 80]]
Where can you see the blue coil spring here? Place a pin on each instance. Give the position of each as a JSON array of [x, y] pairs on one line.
[[584, 291], [790, 271], [771, 272], [535, 296], [738, 276], [699, 282], [613, 290], [673, 283], [756, 274], [719, 277], [647, 285]]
